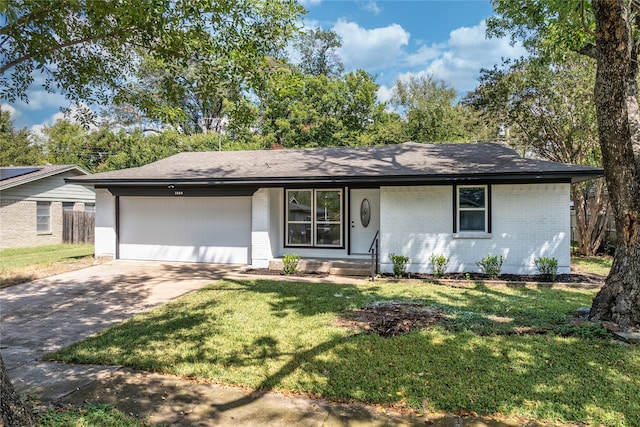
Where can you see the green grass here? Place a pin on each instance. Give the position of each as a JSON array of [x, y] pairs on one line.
[[593, 265], [87, 416], [39, 255], [283, 336]]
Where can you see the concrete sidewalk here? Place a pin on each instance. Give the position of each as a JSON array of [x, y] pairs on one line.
[[48, 314]]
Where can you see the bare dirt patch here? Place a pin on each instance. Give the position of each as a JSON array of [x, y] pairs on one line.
[[392, 318]]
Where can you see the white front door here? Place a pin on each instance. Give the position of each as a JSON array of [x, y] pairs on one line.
[[364, 217]]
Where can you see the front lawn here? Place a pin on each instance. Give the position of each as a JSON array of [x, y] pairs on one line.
[[21, 265], [599, 265], [514, 351]]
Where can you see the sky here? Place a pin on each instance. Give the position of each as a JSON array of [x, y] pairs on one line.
[[390, 39]]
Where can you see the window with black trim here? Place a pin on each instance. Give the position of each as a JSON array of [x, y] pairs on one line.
[[472, 209], [314, 218]]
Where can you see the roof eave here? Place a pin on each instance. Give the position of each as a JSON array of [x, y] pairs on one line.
[[29, 179], [564, 176]]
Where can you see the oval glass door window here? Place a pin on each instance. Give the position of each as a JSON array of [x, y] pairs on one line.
[[365, 212]]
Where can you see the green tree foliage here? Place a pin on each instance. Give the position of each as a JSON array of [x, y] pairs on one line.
[[431, 112], [318, 52], [105, 149], [86, 49], [194, 98], [609, 32], [15, 146], [298, 110], [548, 109]]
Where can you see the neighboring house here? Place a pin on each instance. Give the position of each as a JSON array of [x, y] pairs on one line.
[[464, 201], [32, 199]]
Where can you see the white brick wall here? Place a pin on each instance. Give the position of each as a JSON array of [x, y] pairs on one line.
[[528, 221], [105, 237], [260, 223]]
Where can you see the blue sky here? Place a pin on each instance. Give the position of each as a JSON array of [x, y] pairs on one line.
[[390, 39]]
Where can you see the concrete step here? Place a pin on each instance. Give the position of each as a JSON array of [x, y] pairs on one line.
[[356, 267], [338, 271]]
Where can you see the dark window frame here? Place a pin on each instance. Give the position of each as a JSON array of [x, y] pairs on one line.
[[487, 209], [313, 220]]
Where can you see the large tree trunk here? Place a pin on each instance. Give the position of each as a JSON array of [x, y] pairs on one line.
[[616, 100], [14, 412]]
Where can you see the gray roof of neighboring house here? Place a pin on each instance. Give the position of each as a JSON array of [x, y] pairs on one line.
[[402, 163], [12, 176]]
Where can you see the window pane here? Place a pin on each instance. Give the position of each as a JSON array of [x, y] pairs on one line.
[[299, 205], [328, 234], [43, 217], [299, 234], [328, 205], [89, 207], [472, 221], [471, 197], [67, 206]]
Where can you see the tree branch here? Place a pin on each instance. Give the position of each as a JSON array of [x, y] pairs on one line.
[[61, 46], [24, 20], [584, 23]]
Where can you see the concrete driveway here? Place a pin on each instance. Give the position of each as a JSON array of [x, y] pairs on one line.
[[47, 314]]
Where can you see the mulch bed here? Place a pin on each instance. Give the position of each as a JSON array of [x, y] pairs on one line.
[[475, 277], [390, 319], [268, 272]]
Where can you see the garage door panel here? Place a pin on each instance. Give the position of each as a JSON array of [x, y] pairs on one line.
[[218, 254], [200, 229]]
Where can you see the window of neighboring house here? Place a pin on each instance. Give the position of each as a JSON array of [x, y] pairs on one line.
[[43, 217], [68, 206], [472, 214], [314, 218], [89, 207]]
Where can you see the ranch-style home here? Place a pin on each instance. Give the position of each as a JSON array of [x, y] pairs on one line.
[[463, 201], [32, 202]]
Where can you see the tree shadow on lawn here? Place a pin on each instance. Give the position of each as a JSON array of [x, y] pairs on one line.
[[574, 379]]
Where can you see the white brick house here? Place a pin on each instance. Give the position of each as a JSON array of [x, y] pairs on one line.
[[32, 199], [464, 201]]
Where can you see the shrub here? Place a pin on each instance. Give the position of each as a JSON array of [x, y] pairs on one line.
[[491, 265], [439, 264], [548, 268], [290, 262], [399, 264]]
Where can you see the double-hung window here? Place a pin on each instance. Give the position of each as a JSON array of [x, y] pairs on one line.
[[314, 218], [472, 214], [43, 217]]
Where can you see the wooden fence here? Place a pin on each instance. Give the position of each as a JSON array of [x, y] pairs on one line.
[[78, 226]]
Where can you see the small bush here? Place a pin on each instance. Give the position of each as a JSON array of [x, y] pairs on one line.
[[548, 268], [290, 262], [491, 265], [399, 264], [439, 264]]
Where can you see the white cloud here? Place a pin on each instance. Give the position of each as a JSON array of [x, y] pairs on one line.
[[458, 61], [307, 3], [6, 107], [424, 54], [384, 93], [372, 6], [370, 49]]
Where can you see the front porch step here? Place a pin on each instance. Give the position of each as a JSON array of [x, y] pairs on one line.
[[342, 267]]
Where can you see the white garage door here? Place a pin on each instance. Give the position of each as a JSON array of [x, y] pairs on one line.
[[192, 229]]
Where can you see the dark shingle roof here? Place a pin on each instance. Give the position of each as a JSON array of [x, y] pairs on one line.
[[18, 175], [408, 162]]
